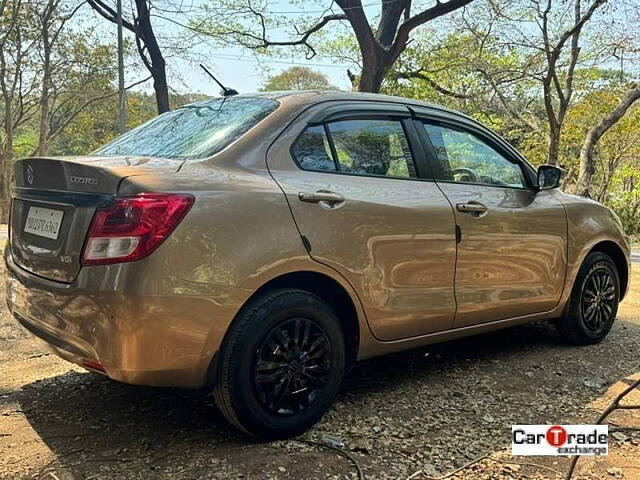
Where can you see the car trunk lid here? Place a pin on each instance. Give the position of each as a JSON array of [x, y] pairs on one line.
[[54, 202]]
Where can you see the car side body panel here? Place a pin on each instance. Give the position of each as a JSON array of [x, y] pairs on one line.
[[161, 320], [393, 240], [511, 260]]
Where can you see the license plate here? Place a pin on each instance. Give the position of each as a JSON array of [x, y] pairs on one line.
[[43, 222]]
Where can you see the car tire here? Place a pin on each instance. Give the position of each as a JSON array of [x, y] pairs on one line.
[[281, 364], [593, 304]]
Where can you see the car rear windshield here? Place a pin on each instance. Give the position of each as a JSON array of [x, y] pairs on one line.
[[194, 131]]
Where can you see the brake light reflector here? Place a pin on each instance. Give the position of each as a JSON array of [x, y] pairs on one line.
[[133, 227], [10, 220], [93, 365]]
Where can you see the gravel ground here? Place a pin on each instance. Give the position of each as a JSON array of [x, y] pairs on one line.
[[422, 413]]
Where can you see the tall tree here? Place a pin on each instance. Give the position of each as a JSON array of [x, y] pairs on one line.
[[18, 41], [547, 34], [147, 44], [9, 18], [557, 83], [380, 44], [587, 160], [52, 20]]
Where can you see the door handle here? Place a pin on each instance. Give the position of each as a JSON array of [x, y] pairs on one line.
[[329, 199], [474, 208]]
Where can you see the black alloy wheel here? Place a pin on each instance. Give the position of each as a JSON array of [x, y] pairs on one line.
[[293, 363], [599, 299], [281, 364], [593, 305]]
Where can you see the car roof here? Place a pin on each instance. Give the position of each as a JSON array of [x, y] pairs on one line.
[[310, 97], [302, 99]]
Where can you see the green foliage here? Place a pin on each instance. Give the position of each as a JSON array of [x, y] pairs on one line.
[[456, 70], [452, 70], [98, 124], [297, 78], [25, 141], [616, 182], [626, 204]]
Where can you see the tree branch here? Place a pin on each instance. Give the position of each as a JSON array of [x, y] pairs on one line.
[[143, 56], [362, 30], [577, 27], [506, 103], [615, 405], [391, 11], [587, 164], [257, 41], [575, 53], [110, 14], [423, 17], [420, 74]]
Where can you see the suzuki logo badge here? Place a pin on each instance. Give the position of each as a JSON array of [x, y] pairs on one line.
[[30, 175]]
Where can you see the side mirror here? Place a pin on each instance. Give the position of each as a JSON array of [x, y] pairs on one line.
[[549, 177]]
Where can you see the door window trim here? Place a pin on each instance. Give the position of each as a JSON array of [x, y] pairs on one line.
[[418, 156]]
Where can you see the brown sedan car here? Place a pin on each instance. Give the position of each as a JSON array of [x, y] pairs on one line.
[[261, 244]]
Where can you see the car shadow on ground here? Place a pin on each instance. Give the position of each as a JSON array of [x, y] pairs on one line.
[[450, 402]]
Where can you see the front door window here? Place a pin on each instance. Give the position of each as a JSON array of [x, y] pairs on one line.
[[462, 157]]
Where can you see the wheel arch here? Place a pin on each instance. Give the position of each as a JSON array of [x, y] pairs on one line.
[[616, 253], [329, 290], [325, 287]]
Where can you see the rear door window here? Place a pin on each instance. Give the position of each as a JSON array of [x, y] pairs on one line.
[[373, 147]]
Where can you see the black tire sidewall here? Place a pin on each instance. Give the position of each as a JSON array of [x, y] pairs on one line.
[[262, 318], [574, 321]]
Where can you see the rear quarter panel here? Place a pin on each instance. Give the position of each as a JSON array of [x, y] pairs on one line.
[[238, 236]]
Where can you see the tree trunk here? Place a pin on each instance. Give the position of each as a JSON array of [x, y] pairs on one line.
[[156, 66], [145, 40], [6, 162], [371, 80], [5, 184], [554, 146], [375, 66], [43, 137], [554, 128], [160, 87], [587, 161]]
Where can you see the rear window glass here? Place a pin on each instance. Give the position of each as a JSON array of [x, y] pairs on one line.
[[194, 131]]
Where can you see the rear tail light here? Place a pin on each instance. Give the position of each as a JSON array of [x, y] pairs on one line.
[[133, 227]]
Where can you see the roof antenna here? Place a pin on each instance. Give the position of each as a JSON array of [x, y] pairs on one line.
[[226, 92]]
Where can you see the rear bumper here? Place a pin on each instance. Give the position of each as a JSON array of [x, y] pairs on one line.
[[141, 334]]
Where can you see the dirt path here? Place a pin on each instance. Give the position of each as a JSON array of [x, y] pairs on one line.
[[432, 409]]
